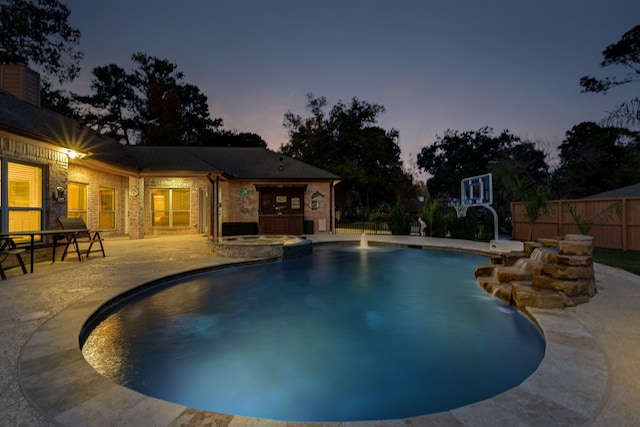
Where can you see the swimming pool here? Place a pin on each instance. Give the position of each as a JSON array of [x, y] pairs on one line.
[[346, 334]]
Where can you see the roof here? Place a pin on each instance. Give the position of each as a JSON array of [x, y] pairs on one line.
[[236, 162], [41, 123], [628, 191], [240, 162]]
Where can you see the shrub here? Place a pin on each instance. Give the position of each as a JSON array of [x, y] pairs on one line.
[[399, 221]]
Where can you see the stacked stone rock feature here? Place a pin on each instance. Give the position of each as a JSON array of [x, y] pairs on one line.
[[550, 273]]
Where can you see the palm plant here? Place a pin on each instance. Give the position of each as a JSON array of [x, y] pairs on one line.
[[585, 224]]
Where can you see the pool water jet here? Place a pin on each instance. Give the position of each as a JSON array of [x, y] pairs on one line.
[[364, 244]]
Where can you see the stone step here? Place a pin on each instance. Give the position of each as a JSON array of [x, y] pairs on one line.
[[502, 291], [509, 274], [484, 270], [525, 295]]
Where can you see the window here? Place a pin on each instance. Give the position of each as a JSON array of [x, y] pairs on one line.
[[22, 198], [170, 207], [107, 208], [77, 204]]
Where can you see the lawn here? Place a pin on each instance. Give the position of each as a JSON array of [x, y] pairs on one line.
[[629, 260]]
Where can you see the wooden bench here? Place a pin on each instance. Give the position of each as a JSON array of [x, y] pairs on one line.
[[86, 237], [8, 248]]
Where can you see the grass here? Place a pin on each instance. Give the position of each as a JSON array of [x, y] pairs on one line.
[[629, 260]]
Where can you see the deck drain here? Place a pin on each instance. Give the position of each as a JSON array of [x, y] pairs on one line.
[[32, 316]]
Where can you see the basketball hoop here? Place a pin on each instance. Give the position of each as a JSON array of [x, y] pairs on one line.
[[460, 207]]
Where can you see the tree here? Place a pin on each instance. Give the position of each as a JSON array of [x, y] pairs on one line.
[[197, 123], [233, 138], [594, 159], [624, 53], [346, 142], [459, 155], [58, 100], [150, 105], [536, 205], [37, 33], [159, 106], [113, 103]]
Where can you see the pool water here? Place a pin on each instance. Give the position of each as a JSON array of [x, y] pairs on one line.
[[346, 334]]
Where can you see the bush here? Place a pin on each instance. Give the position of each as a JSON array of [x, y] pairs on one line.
[[377, 217], [465, 227], [399, 221]]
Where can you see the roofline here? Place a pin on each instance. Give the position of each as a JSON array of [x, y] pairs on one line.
[[173, 173], [33, 137], [103, 166]]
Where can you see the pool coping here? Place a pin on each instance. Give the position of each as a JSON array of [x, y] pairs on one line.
[[568, 388]]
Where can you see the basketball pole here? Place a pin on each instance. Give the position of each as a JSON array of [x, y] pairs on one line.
[[495, 221]]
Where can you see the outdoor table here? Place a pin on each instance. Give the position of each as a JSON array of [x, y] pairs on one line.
[[69, 234]]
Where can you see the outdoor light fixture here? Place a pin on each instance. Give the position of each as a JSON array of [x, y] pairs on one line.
[[59, 194], [73, 154]]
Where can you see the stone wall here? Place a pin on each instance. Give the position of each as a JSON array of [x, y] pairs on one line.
[[549, 273]]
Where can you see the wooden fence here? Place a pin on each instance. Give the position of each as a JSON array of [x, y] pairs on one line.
[[610, 231]]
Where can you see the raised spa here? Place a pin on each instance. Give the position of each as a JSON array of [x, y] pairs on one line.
[[259, 246], [346, 334]]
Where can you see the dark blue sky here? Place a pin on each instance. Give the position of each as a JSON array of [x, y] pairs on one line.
[[434, 65]]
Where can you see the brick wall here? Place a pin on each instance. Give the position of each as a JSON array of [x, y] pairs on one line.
[[194, 185], [241, 202], [95, 179]]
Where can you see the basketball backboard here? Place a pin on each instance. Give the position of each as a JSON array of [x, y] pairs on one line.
[[477, 190]]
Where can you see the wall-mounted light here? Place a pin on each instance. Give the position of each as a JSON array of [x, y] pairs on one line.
[[73, 154], [59, 194]]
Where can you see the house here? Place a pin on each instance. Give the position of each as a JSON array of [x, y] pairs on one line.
[[628, 191], [52, 166]]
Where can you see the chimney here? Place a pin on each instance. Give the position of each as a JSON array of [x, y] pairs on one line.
[[20, 82]]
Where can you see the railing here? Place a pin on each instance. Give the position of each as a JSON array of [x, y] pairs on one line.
[[372, 227]]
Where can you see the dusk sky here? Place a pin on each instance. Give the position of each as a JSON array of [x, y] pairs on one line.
[[433, 65]]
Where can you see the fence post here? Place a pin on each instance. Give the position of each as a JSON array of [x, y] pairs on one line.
[[624, 224]]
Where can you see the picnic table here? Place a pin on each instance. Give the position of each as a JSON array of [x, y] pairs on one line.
[[56, 235]]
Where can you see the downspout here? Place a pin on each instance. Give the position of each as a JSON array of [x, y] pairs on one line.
[[213, 227], [333, 207]]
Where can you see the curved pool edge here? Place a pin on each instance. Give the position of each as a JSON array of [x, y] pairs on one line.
[[568, 387]]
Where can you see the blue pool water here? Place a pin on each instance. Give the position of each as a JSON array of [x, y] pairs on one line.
[[345, 334]]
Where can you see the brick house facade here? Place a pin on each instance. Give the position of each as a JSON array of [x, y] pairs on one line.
[[142, 191]]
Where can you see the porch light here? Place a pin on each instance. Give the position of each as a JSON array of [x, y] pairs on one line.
[[73, 154]]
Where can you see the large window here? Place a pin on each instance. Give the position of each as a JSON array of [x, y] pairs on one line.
[[170, 207], [22, 198], [107, 208], [77, 204]]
